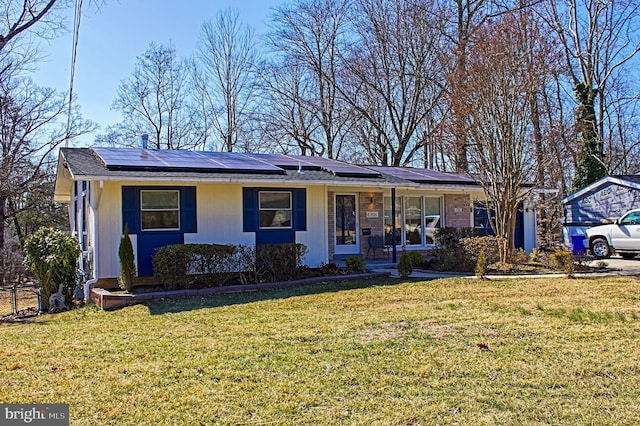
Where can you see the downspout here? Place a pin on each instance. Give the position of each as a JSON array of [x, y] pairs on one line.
[[88, 285], [394, 257]]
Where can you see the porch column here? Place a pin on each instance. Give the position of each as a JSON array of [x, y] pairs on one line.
[[394, 258]]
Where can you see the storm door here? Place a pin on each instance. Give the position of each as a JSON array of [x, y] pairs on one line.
[[346, 223]]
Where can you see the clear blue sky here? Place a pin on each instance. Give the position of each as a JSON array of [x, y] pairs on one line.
[[112, 37]]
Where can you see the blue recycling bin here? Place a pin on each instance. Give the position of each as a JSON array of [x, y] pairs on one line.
[[577, 244]]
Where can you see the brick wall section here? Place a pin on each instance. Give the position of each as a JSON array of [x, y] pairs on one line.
[[376, 224], [456, 210]]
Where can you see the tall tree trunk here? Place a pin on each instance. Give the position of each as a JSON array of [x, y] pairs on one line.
[[590, 161], [459, 116], [3, 218]]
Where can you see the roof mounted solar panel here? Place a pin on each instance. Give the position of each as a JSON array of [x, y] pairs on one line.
[[182, 160], [287, 161], [241, 162], [336, 167], [425, 175]]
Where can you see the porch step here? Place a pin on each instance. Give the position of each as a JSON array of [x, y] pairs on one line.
[[372, 266], [342, 257], [379, 263]]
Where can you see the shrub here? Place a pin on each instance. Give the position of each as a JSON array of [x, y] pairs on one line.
[[51, 255], [279, 262], [519, 257], [534, 255], [473, 246], [408, 261], [405, 265], [127, 261], [451, 237], [563, 259], [415, 257], [450, 255], [329, 269], [182, 265], [481, 265], [354, 264], [185, 265], [458, 249]]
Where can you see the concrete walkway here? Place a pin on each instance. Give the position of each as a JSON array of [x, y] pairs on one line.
[[615, 266]]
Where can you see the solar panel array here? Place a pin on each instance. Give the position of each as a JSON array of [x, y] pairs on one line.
[[176, 160], [236, 162], [229, 162], [424, 175], [336, 167]]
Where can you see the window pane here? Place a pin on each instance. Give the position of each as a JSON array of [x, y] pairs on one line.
[[389, 222], [631, 219], [159, 219], [275, 218], [432, 209], [413, 220], [275, 200], [159, 200]]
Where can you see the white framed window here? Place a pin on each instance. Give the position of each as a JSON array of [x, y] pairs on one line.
[[275, 209], [432, 218], [417, 219], [160, 209], [413, 230]]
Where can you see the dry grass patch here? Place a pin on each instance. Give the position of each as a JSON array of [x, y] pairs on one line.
[[544, 351]]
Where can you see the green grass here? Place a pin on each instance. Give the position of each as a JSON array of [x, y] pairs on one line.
[[456, 351]]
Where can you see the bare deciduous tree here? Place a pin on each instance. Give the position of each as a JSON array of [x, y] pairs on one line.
[[599, 39], [157, 100], [226, 77], [287, 121], [498, 119], [395, 77], [33, 125], [306, 34]]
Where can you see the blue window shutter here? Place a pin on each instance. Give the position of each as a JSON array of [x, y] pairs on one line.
[[249, 209], [299, 209], [189, 218], [131, 208]]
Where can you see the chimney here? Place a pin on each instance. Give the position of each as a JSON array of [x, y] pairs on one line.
[[145, 140]]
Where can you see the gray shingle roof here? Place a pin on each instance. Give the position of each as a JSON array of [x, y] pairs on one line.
[[84, 163]]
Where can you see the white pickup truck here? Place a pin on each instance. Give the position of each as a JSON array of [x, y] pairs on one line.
[[622, 236]]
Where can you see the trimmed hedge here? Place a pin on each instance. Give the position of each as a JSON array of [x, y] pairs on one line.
[[183, 265], [187, 265]]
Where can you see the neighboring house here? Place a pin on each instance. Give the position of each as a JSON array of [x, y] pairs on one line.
[[175, 197], [606, 199]]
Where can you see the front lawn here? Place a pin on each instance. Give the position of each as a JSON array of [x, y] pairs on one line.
[[454, 351]]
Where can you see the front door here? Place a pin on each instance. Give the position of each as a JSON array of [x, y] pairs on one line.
[[346, 222]]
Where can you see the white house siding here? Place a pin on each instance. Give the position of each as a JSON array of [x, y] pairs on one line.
[[219, 216], [107, 202], [219, 212], [315, 237]]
